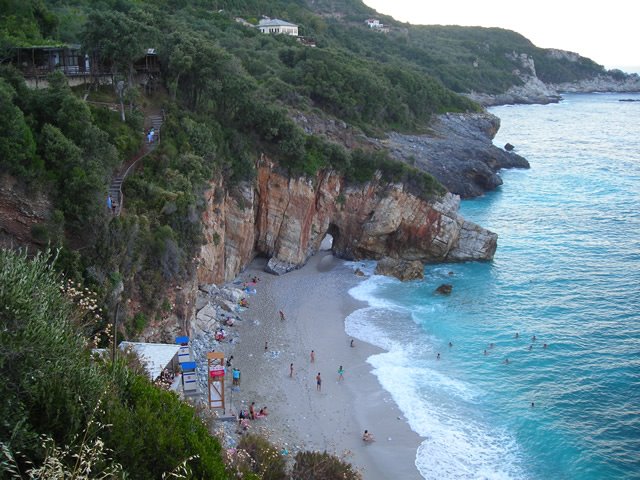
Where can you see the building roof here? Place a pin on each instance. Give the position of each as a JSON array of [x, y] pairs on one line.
[[154, 356], [275, 22]]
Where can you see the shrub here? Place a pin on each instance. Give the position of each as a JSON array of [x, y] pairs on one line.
[[322, 466], [266, 462]]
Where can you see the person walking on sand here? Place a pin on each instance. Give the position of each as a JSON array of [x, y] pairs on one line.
[[318, 382], [291, 371], [281, 315], [340, 374], [313, 356], [266, 346]]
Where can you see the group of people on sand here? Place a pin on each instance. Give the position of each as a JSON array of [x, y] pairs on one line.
[[244, 416]]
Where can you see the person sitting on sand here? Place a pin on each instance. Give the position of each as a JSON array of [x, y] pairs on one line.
[[367, 436], [262, 413], [244, 425]]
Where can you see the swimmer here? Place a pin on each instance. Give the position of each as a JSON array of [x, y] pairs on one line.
[[530, 347], [450, 344], [506, 361], [438, 356], [517, 335], [533, 338], [485, 351]]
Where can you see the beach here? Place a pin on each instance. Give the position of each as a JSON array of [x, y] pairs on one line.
[[315, 301]]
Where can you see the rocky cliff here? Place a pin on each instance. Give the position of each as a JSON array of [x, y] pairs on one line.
[[458, 152], [21, 209], [286, 219]]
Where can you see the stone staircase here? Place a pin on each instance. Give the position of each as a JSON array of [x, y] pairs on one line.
[[115, 189]]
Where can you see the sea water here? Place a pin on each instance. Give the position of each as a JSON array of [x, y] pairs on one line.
[[567, 271]]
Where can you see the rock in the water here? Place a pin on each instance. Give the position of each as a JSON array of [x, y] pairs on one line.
[[445, 288], [401, 269], [359, 272], [508, 147]]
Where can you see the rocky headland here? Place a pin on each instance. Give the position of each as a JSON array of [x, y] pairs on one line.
[[458, 152], [533, 90]]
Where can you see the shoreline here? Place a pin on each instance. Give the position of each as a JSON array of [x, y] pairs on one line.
[[316, 302]]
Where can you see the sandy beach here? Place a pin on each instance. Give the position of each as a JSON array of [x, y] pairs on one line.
[[315, 301]]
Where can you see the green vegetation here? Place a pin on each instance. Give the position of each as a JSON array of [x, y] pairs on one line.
[[55, 394]]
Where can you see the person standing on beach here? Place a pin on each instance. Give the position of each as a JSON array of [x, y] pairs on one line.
[[252, 411], [351, 344], [291, 371], [313, 356], [281, 315], [318, 382], [340, 374], [266, 346]]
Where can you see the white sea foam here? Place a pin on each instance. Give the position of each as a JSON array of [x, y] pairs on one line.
[[456, 446]]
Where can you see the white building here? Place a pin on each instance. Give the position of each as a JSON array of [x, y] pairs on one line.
[[373, 23], [275, 25]]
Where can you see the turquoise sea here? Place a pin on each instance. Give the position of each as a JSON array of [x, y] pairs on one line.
[[567, 271]]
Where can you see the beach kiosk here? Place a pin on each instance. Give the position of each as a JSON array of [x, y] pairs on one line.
[[215, 378], [184, 352], [189, 381]]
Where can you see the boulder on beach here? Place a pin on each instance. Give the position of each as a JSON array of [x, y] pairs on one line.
[[401, 269]]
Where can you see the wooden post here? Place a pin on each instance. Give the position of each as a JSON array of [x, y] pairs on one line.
[[215, 380]]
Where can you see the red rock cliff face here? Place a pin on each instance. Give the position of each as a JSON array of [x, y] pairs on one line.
[[286, 219]]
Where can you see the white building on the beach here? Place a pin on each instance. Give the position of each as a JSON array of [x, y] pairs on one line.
[[275, 25]]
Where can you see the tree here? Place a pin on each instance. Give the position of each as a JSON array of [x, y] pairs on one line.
[[17, 145]]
